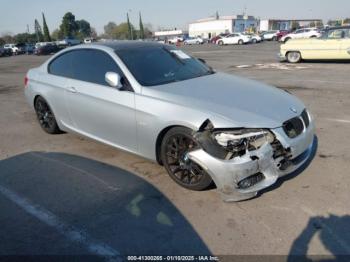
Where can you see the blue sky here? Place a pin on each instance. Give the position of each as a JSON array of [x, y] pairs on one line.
[[16, 14]]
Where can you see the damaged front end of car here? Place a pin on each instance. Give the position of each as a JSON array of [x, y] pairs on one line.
[[243, 161]]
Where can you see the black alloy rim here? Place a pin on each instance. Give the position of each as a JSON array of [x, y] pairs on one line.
[[179, 164], [45, 115]]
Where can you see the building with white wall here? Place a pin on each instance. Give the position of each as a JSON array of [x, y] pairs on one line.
[[169, 34], [213, 26]]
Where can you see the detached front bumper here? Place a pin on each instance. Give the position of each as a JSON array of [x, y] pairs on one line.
[[243, 177]]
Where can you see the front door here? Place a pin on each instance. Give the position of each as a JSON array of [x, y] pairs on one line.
[[98, 110]]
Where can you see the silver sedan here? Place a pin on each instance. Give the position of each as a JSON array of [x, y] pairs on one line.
[[156, 101]]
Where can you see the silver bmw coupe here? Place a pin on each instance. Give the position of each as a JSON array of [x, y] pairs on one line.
[[158, 102]]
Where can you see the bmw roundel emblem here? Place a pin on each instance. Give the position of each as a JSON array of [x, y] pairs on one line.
[[293, 110]]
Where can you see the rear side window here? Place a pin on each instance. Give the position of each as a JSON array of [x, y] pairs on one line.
[[62, 65], [91, 65]]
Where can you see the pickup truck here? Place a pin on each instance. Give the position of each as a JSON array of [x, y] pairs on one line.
[[68, 42]]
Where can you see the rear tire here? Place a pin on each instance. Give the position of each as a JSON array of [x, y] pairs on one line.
[[176, 145], [46, 117], [293, 57], [274, 38]]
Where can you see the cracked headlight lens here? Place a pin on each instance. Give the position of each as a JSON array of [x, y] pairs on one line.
[[237, 140]]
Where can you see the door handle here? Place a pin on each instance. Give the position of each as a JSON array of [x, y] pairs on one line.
[[72, 89]]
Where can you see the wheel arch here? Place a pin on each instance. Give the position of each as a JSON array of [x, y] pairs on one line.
[[160, 138]]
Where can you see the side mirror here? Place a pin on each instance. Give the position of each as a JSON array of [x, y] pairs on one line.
[[113, 79]]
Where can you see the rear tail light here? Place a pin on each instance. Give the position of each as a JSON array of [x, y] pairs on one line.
[[26, 80]]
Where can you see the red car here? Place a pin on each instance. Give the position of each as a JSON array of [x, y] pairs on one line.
[[216, 38], [282, 33]]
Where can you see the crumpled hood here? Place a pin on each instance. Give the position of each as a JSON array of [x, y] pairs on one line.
[[243, 102]]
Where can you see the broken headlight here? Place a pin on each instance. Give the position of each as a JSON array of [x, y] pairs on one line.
[[237, 142], [230, 143]]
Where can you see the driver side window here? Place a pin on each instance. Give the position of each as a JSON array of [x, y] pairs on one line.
[[91, 65]]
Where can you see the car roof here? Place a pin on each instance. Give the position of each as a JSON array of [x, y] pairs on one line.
[[127, 44]]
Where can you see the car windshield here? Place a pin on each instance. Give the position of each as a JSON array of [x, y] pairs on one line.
[[337, 33], [158, 65]]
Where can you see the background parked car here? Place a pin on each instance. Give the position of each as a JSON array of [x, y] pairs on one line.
[[270, 35], [21, 48], [175, 40], [194, 41], [215, 39], [14, 49], [68, 41], [254, 38], [29, 49], [89, 40], [333, 45], [5, 52], [302, 33], [282, 33], [235, 38], [46, 49]]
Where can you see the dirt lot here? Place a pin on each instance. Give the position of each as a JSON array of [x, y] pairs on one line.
[[66, 194]]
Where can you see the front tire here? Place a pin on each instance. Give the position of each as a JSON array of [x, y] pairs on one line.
[[240, 42], [293, 57], [46, 117], [176, 145], [221, 42]]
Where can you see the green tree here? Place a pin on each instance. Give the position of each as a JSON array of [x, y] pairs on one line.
[[142, 31], [122, 31], [69, 26], [130, 29], [84, 28], [57, 34], [47, 37], [25, 38], [109, 29], [38, 31]]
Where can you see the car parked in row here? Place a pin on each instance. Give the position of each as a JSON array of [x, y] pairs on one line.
[[234, 39], [68, 41], [29, 49], [5, 52], [215, 39], [282, 33], [175, 40], [89, 40], [334, 44], [47, 49], [194, 41], [302, 33], [254, 38], [14, 49], [269, 35]]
